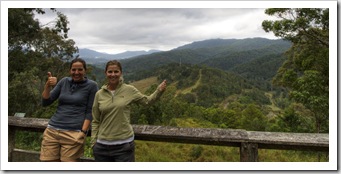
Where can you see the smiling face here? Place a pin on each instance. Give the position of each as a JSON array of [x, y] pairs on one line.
[[113, 74], [77, 71]]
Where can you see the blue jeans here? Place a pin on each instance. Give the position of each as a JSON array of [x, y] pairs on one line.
[[114, 153]]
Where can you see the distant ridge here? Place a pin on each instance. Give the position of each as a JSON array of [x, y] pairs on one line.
[[232, 44], [92, 56], [223, 54]]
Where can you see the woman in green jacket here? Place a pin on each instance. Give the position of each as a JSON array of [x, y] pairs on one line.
[[112, 134]]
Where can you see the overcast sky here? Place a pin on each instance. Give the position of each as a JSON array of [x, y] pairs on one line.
[[115, 30]]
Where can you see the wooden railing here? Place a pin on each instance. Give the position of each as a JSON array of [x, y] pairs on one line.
[[248, 141]]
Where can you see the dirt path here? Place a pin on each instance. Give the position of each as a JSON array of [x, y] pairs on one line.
[[197, 83], [273, 106]]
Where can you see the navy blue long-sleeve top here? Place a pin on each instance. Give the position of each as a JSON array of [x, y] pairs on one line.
[[75, 101]]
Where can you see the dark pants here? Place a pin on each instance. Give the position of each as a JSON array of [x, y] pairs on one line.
[[114, 153]]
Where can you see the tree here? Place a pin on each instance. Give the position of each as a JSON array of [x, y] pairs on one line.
[[33, 50], [306, 71], [293, 121], [253, 119]]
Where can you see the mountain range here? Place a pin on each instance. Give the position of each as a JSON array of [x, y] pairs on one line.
[[242, 56], [257, 59], [94, 57], [209, 72]]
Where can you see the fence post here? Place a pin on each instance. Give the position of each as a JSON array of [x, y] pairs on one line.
[[11, 142], [248, 152]]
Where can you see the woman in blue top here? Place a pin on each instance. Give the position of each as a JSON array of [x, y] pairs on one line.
[[63, 139]]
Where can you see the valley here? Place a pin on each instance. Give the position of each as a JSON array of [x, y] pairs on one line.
[[212, 82]]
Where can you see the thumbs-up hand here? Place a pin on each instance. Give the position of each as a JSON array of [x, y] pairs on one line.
[[51, 81]]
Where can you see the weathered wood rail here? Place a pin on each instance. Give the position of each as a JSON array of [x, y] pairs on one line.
[[248, 141]]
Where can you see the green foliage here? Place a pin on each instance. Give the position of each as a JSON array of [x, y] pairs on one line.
[[253, 119], [292, 121], [222, 118], [191, 123], [216, 85], [21, 26], [28, 140], [223, 54], [232, 59], [32, 52], [312, 93], [306, 71], [45, 112], [299, 23], [254, 95], [260, 70], [282, 100], [24, 81], [188, 97], [87, 148], [96, 74]]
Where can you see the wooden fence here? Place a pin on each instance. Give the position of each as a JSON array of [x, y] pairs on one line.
[[248, 141]]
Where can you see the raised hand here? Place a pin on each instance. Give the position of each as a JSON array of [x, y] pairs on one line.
[[163, 85], [51, 81]]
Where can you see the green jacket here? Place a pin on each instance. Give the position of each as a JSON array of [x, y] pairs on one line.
[[111, 113]]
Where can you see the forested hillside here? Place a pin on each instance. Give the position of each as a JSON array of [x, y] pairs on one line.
[[258, 61], [215, 83], [215, 98], [219, 53]]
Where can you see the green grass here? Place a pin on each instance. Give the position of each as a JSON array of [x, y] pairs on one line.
[[177, 152], [144, 85]]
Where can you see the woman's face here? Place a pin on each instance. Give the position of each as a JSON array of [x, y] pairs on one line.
[[77, 72], [113, 74]]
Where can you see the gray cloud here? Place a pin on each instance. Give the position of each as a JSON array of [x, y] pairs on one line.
[[115, 30]]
